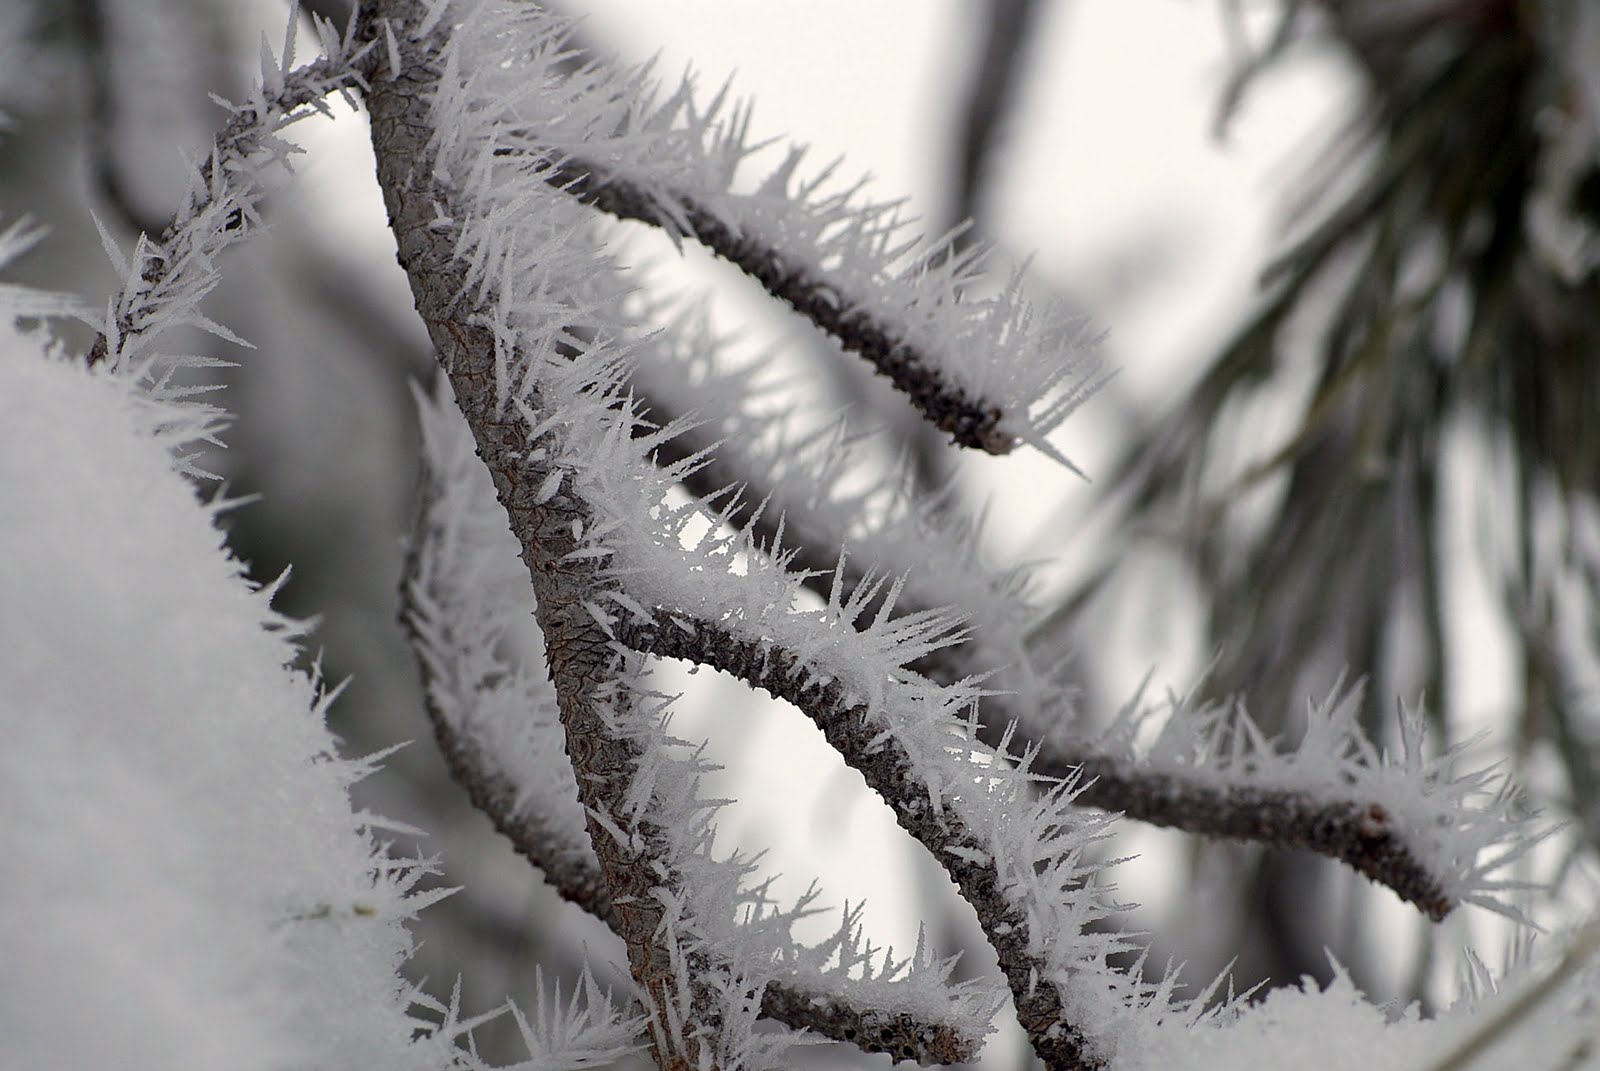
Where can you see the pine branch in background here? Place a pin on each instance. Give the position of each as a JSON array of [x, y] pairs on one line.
[[1438, 290], [1461, 265]]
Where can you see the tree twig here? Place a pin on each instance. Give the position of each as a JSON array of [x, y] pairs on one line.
[[969, 421], [850, 731]]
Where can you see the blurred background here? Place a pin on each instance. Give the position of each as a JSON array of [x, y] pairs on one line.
[[1344, 254]]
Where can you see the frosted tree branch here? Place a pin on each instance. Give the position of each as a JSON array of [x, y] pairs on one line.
[[717, 481], [850, 729], [901, 1035], [1332, 795], [1364, 836], [582, 664], [970, 421], [598, 538], [165, 279], [498, 149], [604, 137], [576, 878], [1437, 830]]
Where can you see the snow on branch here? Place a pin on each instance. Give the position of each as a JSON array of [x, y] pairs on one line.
[[493, 714], [171, 792], [989, 371], [1114, 1022], [1015, 927], [465, 595], [495, 155], [587, 1029], [809, 480]]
